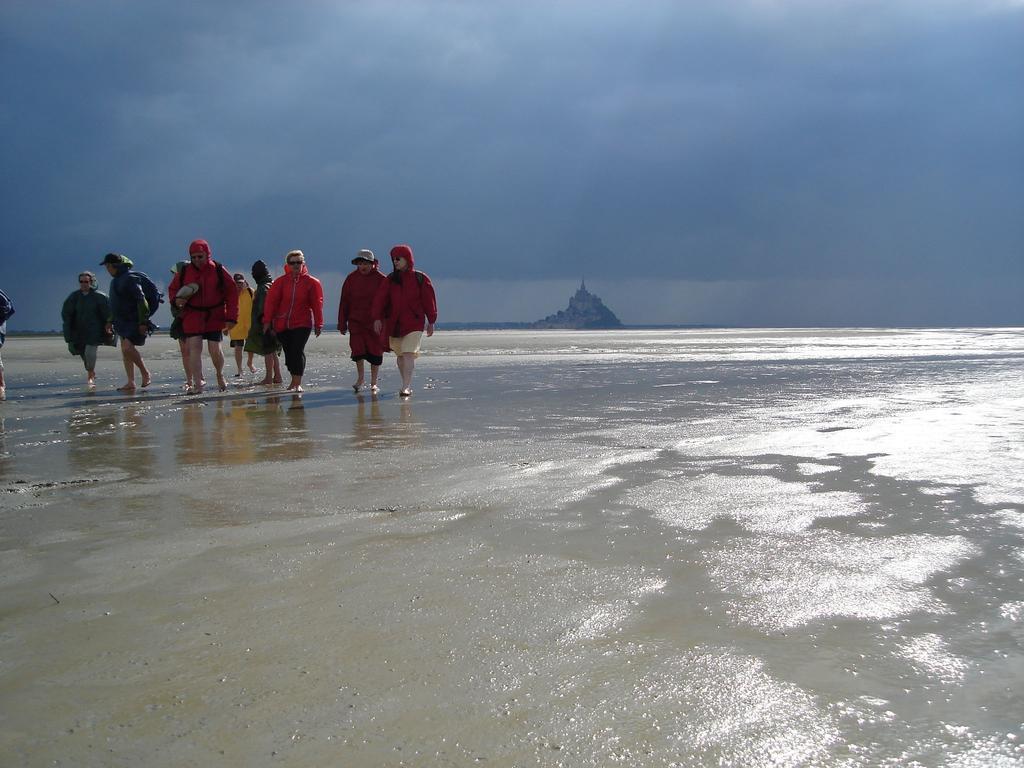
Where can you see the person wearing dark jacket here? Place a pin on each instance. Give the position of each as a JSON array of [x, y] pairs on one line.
[[405, 306], [205, 311], [85, 316], [6, 310], [130, 317], [260, 342], [355, 318]]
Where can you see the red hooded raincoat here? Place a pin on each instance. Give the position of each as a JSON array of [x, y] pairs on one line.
[[295, 301], [406, 300]]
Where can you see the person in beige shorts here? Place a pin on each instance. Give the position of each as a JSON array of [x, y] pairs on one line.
[[405, 308]]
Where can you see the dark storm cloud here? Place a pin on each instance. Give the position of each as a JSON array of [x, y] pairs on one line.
[[712, 141]]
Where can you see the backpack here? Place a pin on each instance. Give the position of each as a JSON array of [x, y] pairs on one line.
[[6, 307], [223, 280], [154, 296], [419, 277]]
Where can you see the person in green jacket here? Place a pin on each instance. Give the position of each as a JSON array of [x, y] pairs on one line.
[[86, 314], [257, 341]]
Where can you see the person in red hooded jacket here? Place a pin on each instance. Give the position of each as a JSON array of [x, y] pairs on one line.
[[357, 294], [208, 304], [294, 307], [405, 306]]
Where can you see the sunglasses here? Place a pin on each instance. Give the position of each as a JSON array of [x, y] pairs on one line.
[[198, 255], [85, 281], [294, 263]]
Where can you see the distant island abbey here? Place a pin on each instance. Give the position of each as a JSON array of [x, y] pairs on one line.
[[585, 311]]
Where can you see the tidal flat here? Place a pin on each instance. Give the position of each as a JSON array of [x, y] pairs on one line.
[[643, 548]]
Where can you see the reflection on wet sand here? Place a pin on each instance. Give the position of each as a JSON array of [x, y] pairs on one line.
[[4, 456], [101, 439], [137, 442], [247, 431], [91, 434], [229, 432], [370, 430], [238, 446], [366, 427], [284, 434]]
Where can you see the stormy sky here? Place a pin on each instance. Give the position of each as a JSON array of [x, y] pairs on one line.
[[736, 162]]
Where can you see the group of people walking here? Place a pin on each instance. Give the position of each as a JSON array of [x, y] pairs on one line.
[[378, 312]]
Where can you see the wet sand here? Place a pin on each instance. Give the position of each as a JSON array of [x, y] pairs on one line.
[[789, 548]]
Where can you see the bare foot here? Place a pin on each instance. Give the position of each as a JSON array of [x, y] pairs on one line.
[[263, 383], [278, 380], [405, 392], [147, 380], [129, 387], [221, 384]]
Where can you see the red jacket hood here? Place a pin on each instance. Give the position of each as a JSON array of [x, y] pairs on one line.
[[406, 251], [288, 270]]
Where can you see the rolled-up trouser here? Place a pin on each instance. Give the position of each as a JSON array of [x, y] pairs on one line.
[[89, 356], [293, 341]]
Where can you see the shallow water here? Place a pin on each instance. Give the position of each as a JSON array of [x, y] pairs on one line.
[[657, 548]]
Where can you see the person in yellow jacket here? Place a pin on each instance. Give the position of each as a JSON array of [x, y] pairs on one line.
[[241, 329]]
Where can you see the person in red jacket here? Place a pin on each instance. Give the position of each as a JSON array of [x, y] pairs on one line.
[[357, 294], [208, 304], [405, 306], [294, 307]]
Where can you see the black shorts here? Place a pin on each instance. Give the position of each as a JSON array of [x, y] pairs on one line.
[[371, 359], [238, 342], [210, 336]]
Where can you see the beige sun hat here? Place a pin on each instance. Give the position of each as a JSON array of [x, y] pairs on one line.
[[188, 290]]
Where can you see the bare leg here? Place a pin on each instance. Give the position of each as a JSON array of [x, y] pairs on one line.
[[374, 373], [131, 358], [238, 360], [195, 361], [406, 363], [401, 368], [89, 358], [147, 378], [183, 348], [3, 384], [360, 372], [129, 368], [217, 356], [268, 361], [277, 369], [252, 368]]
